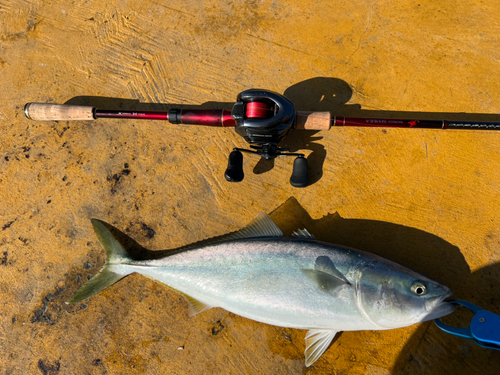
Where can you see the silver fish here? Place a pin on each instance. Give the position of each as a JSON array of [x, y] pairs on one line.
[[295, 282]]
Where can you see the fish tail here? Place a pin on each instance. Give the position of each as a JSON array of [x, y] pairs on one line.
[[115, 255]]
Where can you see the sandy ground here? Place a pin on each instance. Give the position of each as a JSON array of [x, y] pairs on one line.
[[425, 198]]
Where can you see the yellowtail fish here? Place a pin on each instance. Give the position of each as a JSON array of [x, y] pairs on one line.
[[294, 282]]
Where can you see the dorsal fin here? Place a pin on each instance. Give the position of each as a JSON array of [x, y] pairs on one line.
[[303, 233], [261, 226]]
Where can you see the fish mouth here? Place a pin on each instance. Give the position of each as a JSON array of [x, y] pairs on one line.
[[437, 308]]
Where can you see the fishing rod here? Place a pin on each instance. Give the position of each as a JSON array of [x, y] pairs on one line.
[[262, 117]]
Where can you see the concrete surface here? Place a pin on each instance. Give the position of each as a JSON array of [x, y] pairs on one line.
[[428, 199]]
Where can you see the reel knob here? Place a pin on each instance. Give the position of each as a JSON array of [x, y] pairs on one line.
[[234, 171], [300, 177]]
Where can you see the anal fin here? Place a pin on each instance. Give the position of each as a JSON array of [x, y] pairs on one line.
[[195, 306]]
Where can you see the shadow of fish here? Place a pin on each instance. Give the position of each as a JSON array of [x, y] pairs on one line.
[[295, 282]]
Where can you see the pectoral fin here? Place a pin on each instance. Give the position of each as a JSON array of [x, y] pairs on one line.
[[317, 341], [325, 282], [325, 276], [325, 264]]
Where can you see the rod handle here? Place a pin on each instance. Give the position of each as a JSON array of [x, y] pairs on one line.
[[313, 120], [58, 112]]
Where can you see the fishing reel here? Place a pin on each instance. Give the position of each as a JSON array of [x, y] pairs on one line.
[[263, 118]]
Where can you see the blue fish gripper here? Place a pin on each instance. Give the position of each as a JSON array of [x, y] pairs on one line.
[[484, 328]]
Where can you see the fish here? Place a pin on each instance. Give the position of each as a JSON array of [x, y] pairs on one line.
[[293, 282]]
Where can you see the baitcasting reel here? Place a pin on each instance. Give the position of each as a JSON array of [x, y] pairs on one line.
[[263, 118]]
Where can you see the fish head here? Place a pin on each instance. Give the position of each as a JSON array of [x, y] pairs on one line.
[[392, 296]]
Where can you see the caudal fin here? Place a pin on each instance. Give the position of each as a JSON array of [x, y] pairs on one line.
[[115, 254]]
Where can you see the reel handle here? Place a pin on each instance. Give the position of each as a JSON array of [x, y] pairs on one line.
[[234, 171], [300, 176]]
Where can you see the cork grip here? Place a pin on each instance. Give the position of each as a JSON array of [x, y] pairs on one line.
[[57, 112], [313, 121]]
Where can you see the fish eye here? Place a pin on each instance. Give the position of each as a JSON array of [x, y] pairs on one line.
[[418, 288]]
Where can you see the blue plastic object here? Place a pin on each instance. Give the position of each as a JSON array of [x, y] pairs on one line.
[[484, 328]]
